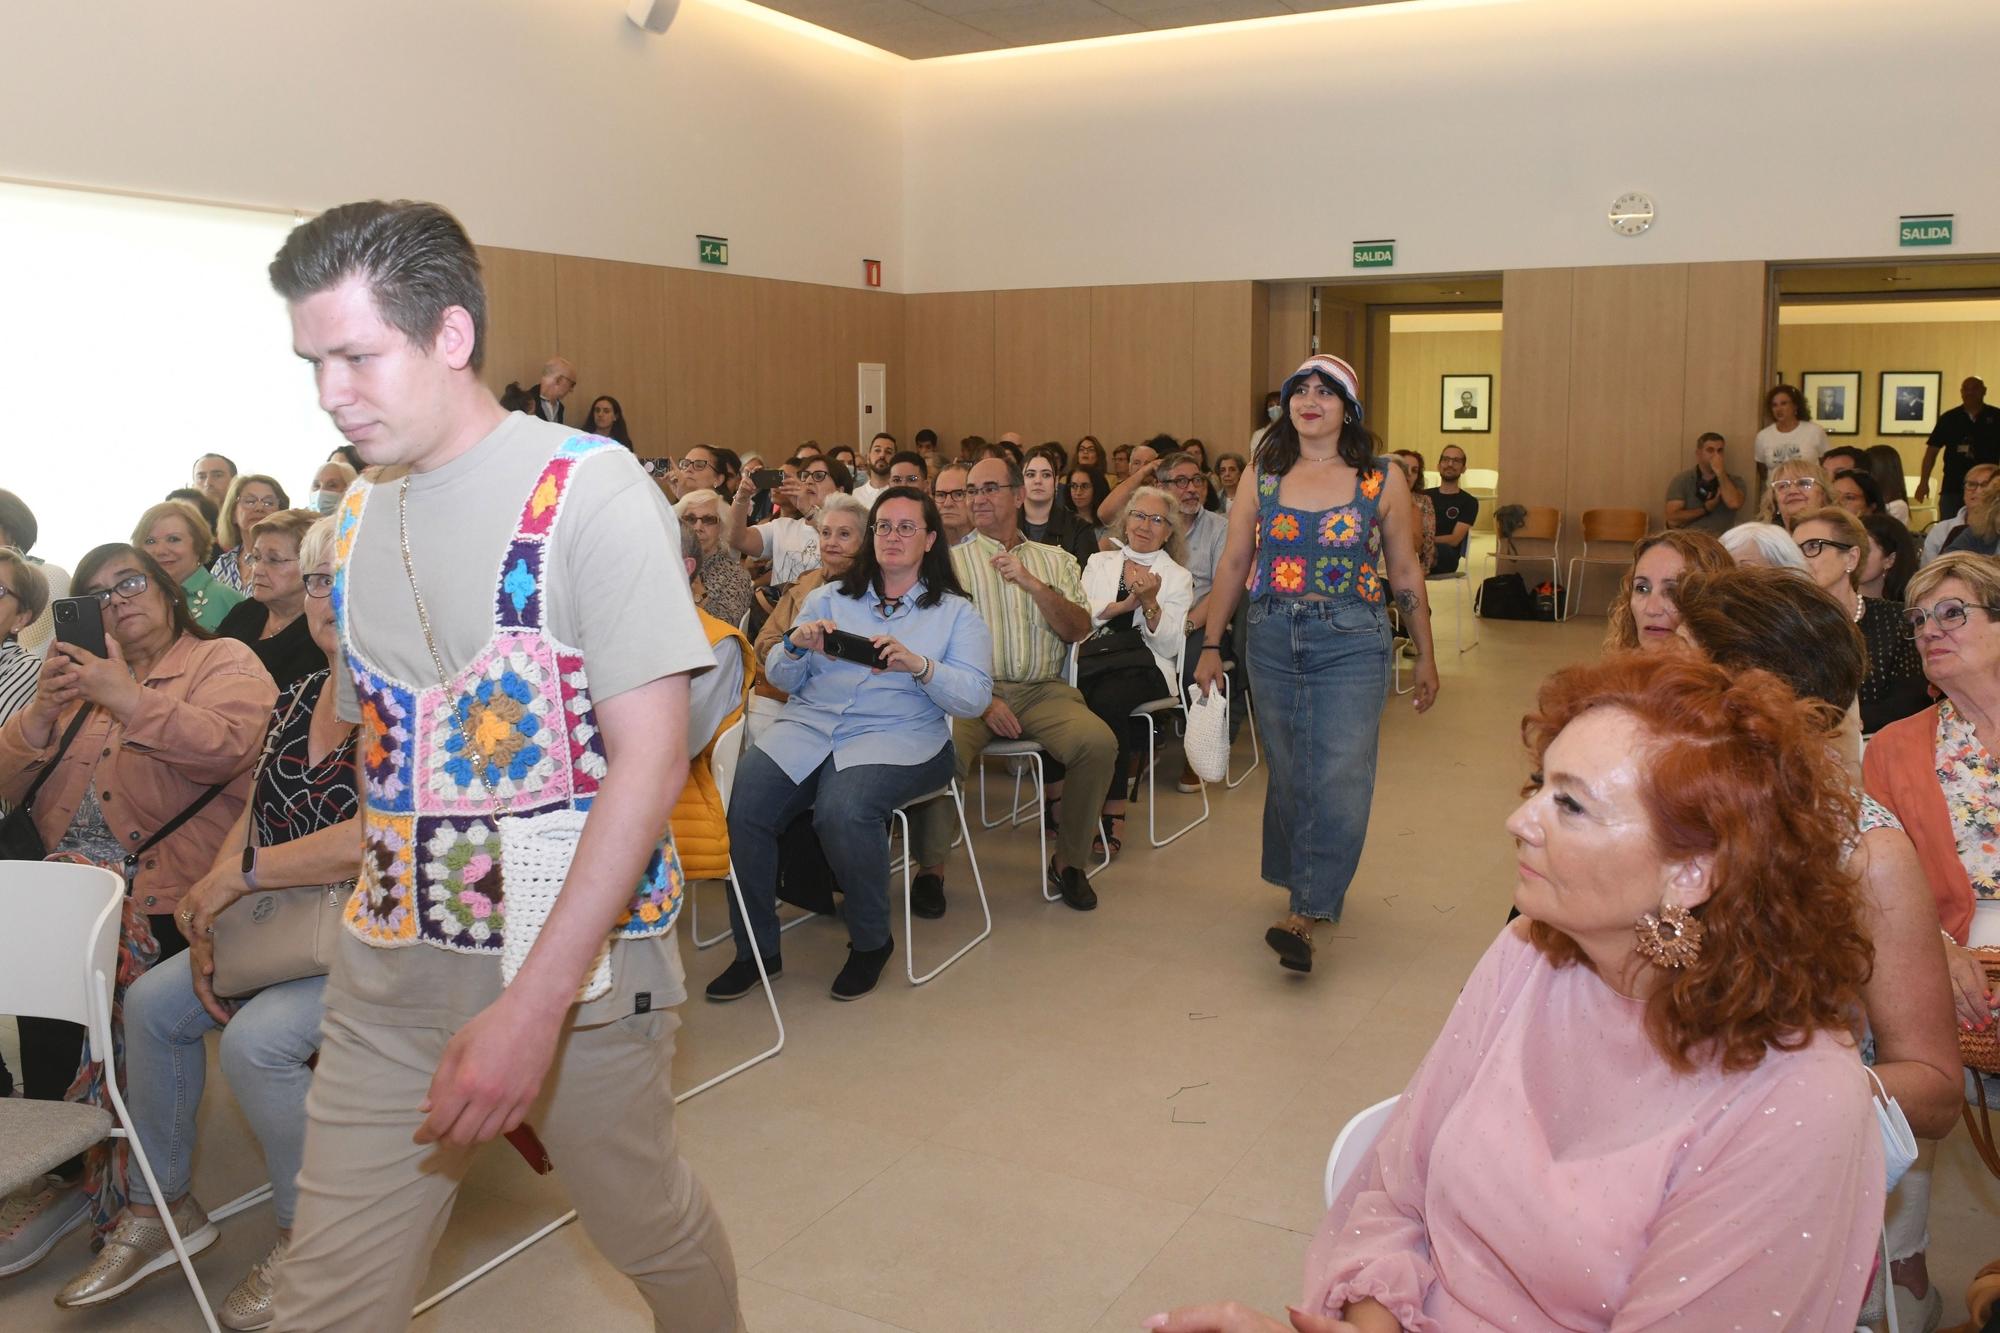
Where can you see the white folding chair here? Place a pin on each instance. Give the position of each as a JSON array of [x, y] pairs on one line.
[[901, 819], [1350, 1149], [1025, 756], [58, 959], [1249, 725], [1461, 604], [1152, 713], [728, 749]]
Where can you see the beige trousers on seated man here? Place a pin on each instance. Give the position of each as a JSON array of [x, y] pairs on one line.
[[372, 1203], [1053, 715]]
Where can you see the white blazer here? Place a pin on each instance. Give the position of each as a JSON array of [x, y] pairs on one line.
[[1100, 589]]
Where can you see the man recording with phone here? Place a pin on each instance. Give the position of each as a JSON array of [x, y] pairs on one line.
[[789, 540]]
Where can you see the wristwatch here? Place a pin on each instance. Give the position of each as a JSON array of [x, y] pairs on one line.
[[250, 866]]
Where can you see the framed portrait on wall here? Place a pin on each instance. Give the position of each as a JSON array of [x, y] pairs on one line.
[[1834, 399], [1909, 404], [1466, 404]]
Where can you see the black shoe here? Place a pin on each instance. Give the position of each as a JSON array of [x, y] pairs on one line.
[[1074, 886], [863, 969], [927, 897], [740, 978]]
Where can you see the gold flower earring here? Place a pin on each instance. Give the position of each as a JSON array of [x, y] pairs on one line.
[[1671, 939]]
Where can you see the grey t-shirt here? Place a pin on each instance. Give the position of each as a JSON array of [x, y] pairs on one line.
[[1206, 536], [1686, 488], [616, 549]]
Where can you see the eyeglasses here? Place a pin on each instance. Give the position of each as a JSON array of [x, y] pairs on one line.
[[948, 495], [6, 592], [694, 465], [1191, 479], [319, 585], [1814, 547], [705, 520], [1949, 615], [1793, 483], [990, 488], [818, 474], [127, 588], [904, 528], [252, 559], [252, 502], [1157, 520]]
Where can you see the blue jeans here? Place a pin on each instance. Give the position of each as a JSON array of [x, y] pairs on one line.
[[264, 1052], [850, 809], [1319, 671]]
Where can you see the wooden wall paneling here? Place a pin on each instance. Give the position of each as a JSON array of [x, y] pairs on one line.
[[1727, 317], [1419, 361], [1538, 305], [717, 371], [798, 314], [520, 314], [1041, 364], [1260, 358], [1379, 381], [1141, 353], [611, 321], [1226, 396], [869, 327], [1289, 337], [1628, 385], [948, 360]]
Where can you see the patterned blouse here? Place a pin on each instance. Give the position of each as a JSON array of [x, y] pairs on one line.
[[1970, 778], [295, 796], [1333, 553], [225, 569]]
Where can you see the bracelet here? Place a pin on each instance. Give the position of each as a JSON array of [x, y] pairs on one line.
[[790, 651], [924, 676], [1211, 647]]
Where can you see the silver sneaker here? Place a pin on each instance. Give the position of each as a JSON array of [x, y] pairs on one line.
[[136, 1249], [34, 1217], [250, 1304]]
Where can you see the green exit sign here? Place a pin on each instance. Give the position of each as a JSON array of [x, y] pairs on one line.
[[1924, 229], [1374, 254], [713, 250]]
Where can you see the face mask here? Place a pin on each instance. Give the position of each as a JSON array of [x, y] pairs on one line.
[[1899, 1143], [326, 501], [1272, 411]]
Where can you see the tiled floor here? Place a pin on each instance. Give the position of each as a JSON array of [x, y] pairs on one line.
[[1087, 1119]]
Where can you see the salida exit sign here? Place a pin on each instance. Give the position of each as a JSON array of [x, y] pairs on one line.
[[1924, 229], [1374, 254]]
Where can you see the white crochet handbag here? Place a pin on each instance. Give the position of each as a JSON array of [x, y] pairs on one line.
[[1207, 742], [535, 850]]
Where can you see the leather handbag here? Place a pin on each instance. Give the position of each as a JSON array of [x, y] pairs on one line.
[[20, 840], [273, 935], [1981, 1052]]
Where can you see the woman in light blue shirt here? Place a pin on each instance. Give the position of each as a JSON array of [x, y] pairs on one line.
[[856, 742]]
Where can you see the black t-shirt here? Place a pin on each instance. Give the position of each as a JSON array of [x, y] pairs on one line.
[[1451, 509], [290, 655], [1966, 443]]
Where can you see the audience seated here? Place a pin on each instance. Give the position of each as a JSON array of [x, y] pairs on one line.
[[1892, 558], [1031, 598], [1708, 496], [1083, 495], [1423, 514], [1941, 532], [1720, 1158], [1791, 435], [715, 700], [1121, 463], [1796, 488], [251, 497], [706, 468], [721, 584], [1855, 491], [1139, 594], [212, 475], [179, 542], [18, 529], [24, 595], [1980, 534], [1767, 544], [843, 531], [882, 451], [1089, 453], [1229, 469], [1839, 459], [908, 468], [925, 443], [1456, 509], [1885, 465], [607, 418], [329, 483], [948, 491], [787, 540], [1043, 518], [857, 742], [1834, 544], [208, 509], [302, 820], [1935, 773], [169, 723], [1143, 464], [273, 621], [1644, 614], [348, 454]]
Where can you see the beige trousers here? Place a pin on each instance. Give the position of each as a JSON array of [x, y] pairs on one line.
[[372, 1204]]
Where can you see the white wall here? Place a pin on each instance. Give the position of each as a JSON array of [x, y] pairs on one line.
[[1480, 134], [544, 124]]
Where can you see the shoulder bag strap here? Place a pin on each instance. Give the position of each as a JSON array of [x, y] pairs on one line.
[[271, 739], [168, 829], [76, 725]]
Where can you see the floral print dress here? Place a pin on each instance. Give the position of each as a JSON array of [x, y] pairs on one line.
[[1969, 776]]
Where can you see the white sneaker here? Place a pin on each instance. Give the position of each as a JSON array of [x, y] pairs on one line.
[[34, 1217]]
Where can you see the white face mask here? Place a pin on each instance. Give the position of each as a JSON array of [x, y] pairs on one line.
[[1899, 1142], [327, 501], [1272, 411]]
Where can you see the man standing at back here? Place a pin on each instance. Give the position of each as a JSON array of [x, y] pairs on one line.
[[1967, 436], [1457, 511], [558, 378], [881, 451], [509, 952]]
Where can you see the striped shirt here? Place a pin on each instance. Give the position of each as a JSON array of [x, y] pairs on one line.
[[19, 672], [1025, 649]]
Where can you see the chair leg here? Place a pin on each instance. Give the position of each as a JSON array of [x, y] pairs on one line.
[[694, 921], [1250, 725], [1462, 604], [902, 819], [517, 1247], [138, 1154], [770, 998], [1152, 789]]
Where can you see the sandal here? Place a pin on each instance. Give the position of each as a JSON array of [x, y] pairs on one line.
[[1292, 943], [1108, 828]]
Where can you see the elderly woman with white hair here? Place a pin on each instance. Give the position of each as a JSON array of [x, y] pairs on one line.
[[1764, 544], [1139, 595], [721, 584]]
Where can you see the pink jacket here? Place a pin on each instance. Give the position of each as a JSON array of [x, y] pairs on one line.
[[202, 721]]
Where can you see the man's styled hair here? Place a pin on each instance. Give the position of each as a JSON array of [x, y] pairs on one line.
[[415, 257], [1706, 436]]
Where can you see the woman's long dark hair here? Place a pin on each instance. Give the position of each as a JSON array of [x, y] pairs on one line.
[[619, 430], [1895, 540], [1279, 448], [934, 571], [1100, 491], [156, 578]]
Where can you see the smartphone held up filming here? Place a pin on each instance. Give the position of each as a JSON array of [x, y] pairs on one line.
[[80, 622]]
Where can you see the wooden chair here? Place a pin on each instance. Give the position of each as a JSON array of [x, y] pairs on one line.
[[1615, 528], [1543, 524]]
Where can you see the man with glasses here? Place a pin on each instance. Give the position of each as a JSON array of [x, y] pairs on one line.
[[1457, 510], [1973, 488], [907, 468], [789, 540], [1031, 598], [949, 493], [1204, 532]]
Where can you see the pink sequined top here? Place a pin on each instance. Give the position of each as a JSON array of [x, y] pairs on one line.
[[1545, 1169]]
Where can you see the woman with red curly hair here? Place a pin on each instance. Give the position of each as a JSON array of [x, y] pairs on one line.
[[1646, 1108]]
